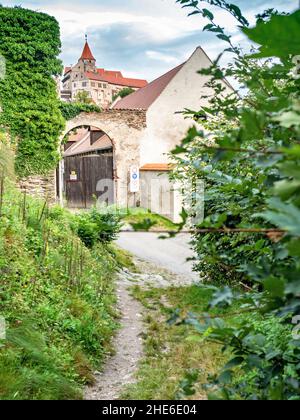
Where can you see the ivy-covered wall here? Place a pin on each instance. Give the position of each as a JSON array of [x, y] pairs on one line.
[[30, 43]]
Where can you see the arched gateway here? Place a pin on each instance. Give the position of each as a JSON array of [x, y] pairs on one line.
[[84, 166]]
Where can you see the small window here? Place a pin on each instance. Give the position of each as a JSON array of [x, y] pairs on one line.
[[84, 84], [93, 84]]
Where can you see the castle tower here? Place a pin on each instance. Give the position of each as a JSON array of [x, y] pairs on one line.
[[87, 58]]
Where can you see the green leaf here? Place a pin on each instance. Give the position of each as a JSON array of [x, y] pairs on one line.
[[275, 286], [224, 37], [293, 151], [285, 189], [222, 297], [273, 355], [225, 377], [195, 12], [288, 119], [238, 14], [237, 361], [208, 14], [291, 169], [294, 248], [279, 37], [286, 216], [208, 27]]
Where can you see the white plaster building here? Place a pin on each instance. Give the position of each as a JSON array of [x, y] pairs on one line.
[[163, 100]]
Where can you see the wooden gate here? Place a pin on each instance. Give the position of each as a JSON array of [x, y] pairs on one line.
[[89, 178]]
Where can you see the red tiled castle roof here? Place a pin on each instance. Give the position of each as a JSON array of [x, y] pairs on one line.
[[115, 78], [87, 53]]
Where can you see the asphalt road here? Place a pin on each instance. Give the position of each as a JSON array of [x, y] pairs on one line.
[[170, 254]]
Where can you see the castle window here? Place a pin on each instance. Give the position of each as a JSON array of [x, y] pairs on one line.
[[84, 84], [93, 84]]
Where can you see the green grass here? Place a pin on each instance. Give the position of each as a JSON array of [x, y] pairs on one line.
[[138, 217], [58, 300], [173, 352], [123, 258]]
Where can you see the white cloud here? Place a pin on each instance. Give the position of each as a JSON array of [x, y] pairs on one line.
[[156, 55], [157, 29], [144, 38]]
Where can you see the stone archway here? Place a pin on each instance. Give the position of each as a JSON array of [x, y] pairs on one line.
[[124, 128]]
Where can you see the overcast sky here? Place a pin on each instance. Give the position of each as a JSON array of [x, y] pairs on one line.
[[142, 38]]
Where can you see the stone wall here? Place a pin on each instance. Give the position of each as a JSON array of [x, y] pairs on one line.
[[110, 118], [43, 187], [125, 129]]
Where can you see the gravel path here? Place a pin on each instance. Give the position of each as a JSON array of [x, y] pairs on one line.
[[120, 369], [159, 271]]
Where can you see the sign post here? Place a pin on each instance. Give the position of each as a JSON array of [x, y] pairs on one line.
[[134, 179]]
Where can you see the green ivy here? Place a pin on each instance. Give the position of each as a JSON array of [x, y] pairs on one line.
[[30, 44], [70, 110]]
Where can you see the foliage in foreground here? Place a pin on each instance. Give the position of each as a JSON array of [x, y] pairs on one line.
[[30, 44], [57, 298], [250, 159]]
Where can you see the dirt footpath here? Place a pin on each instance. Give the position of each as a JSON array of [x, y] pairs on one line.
[[121, 368]]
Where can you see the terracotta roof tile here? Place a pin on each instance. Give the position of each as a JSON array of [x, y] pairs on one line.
[[116, 78], [94, 76], [144, 98], [113, 73]]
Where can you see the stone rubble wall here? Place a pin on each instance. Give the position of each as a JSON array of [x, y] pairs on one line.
[[43, 187]]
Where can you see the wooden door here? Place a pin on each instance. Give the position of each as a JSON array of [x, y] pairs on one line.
[[84, 175]]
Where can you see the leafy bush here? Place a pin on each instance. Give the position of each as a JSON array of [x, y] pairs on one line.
[[70, 110], [94, 227], [249, 157], [123, 93]]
